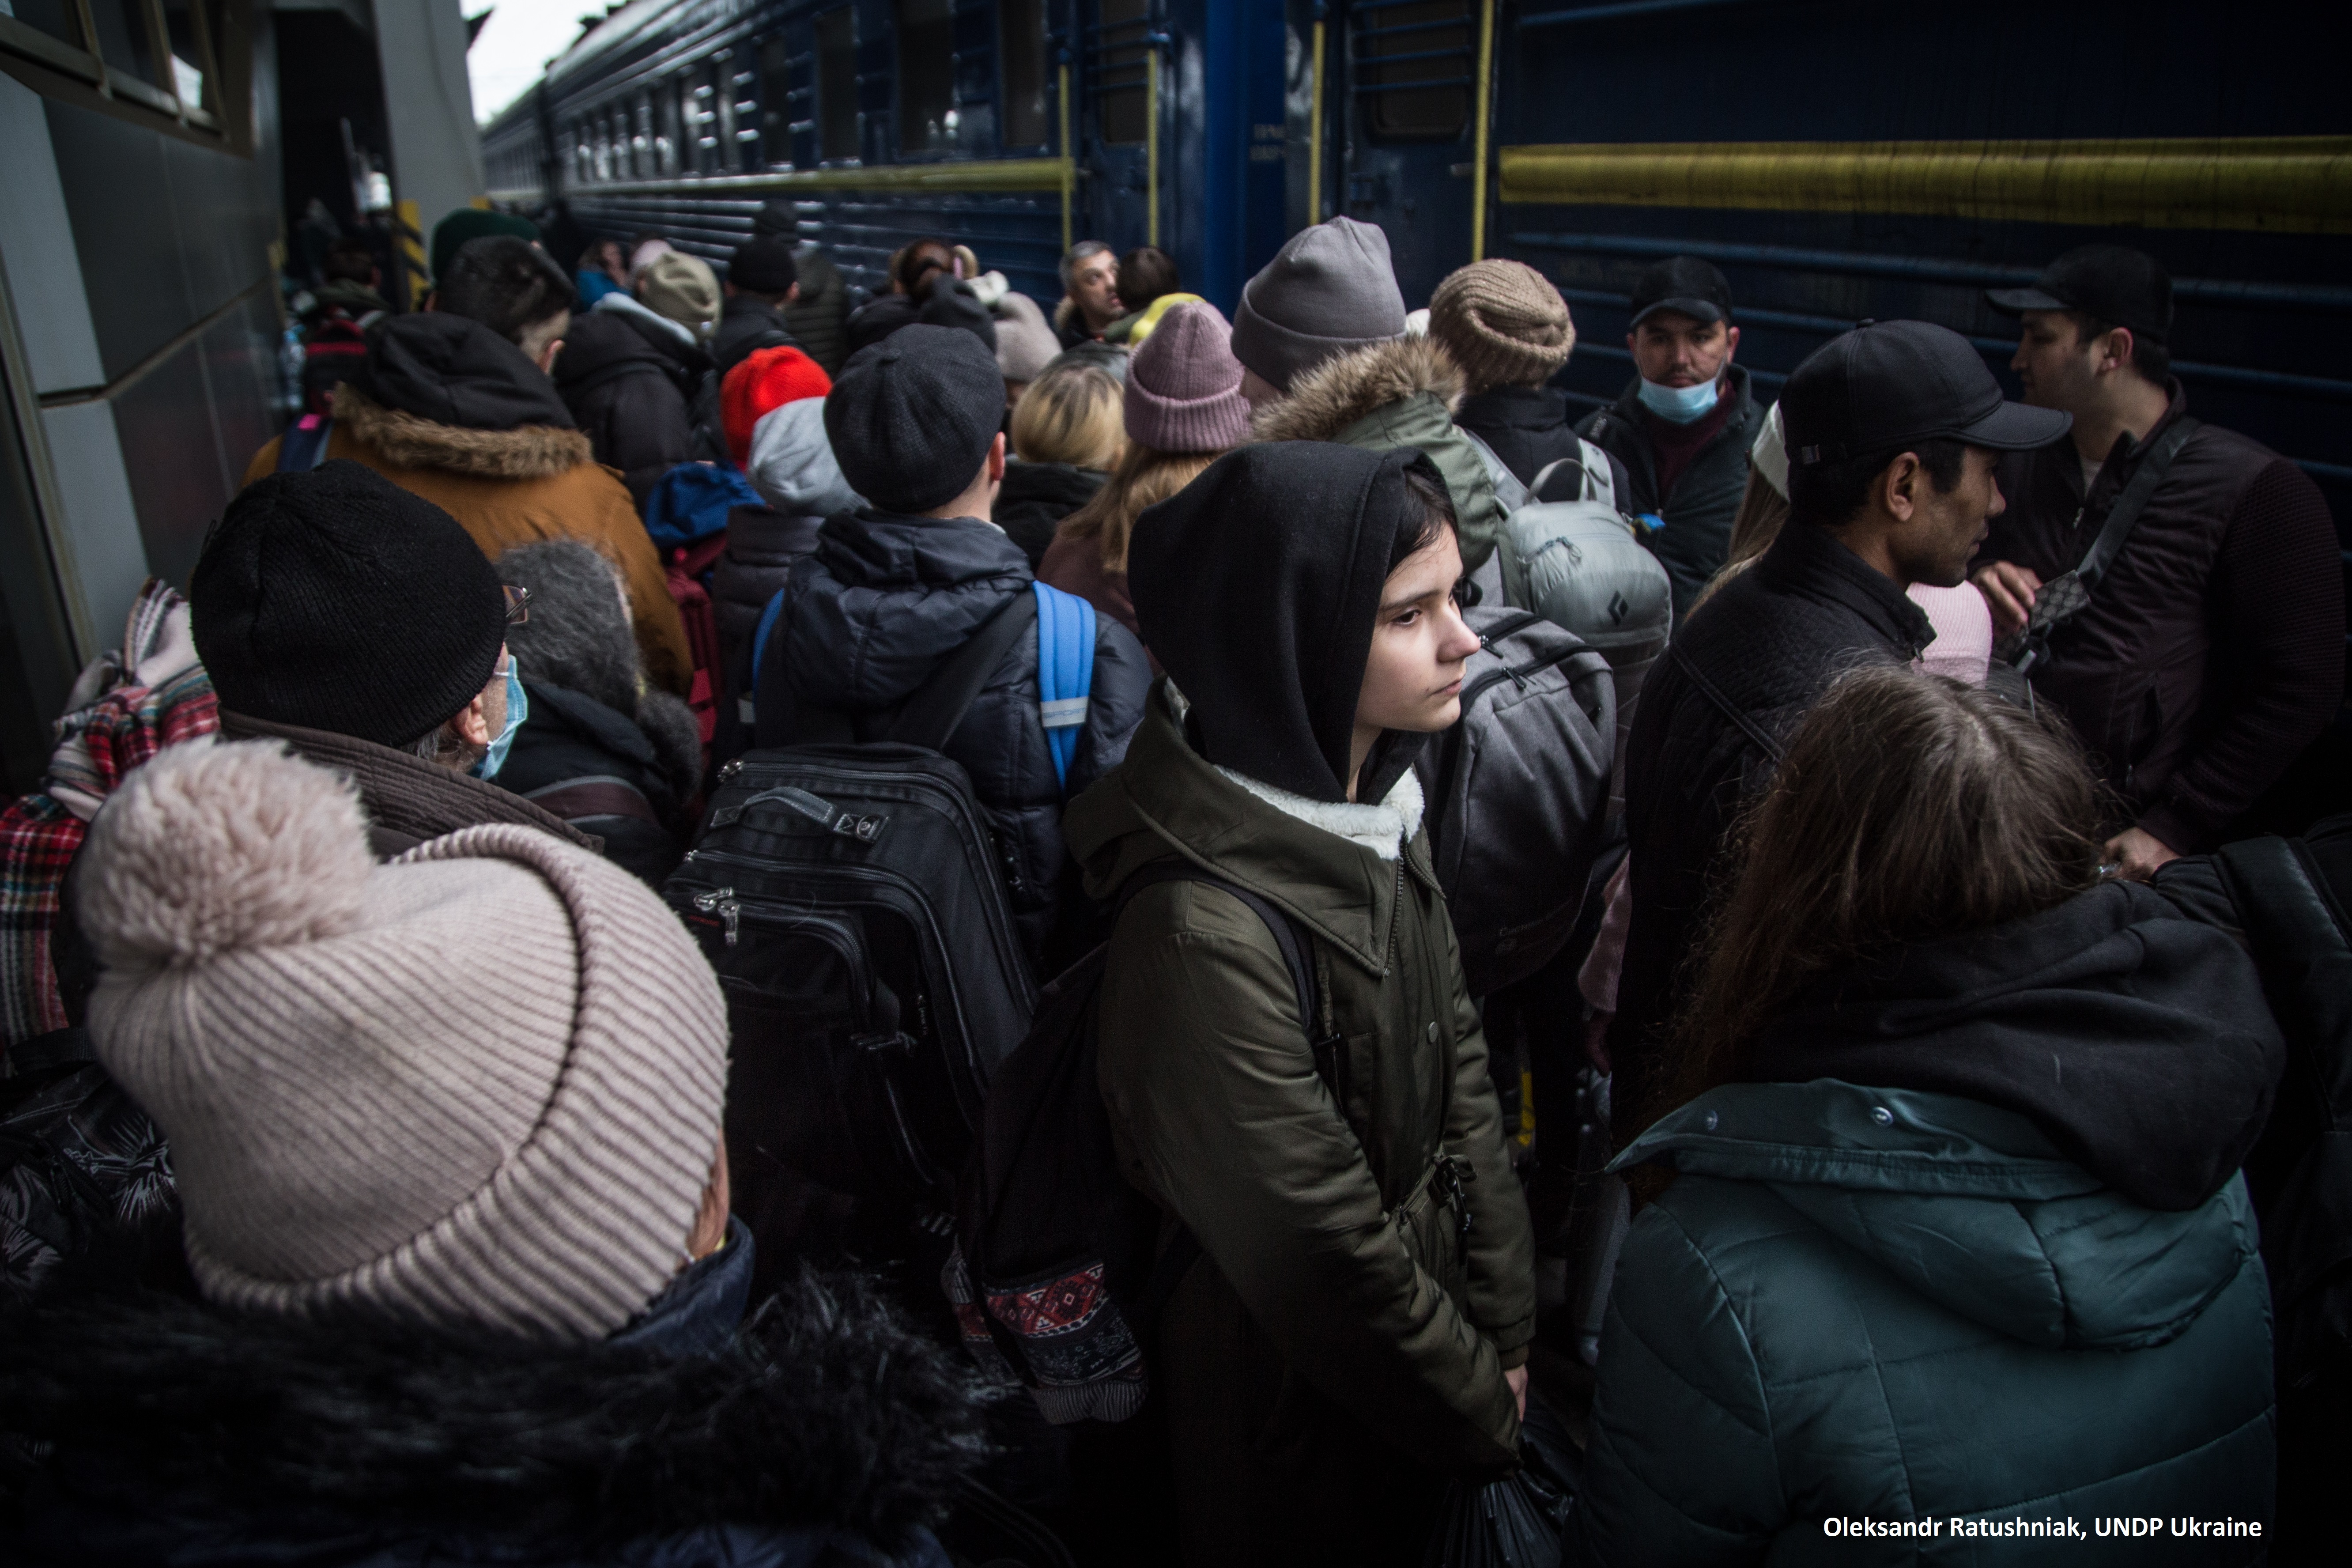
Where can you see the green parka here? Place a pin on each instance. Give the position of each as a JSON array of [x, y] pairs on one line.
[[1340, 1344], [1867, 1304]]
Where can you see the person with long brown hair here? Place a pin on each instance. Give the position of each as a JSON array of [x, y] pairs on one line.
[[1183, 409], [1950, 1232]]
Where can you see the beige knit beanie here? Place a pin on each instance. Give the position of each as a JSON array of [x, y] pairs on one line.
[[682, 288], [1503, 324], [479, 1086]]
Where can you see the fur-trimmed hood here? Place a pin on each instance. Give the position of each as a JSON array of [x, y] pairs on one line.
[[1325, 401], [825, 1413], [409, 441]]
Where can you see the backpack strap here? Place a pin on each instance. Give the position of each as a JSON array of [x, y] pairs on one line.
[[2067, 595], [304, 446], [1725, 706], [1512, 494], [1595, 482], [1065, 672], [933, 711]]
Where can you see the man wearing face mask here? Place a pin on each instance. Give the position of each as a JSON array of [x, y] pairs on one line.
[[360, 624], [1683, 428]]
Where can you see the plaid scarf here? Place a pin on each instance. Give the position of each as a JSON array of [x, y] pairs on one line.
[[127, 706]]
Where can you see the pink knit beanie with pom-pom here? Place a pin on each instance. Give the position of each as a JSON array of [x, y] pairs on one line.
[[479, 1086]]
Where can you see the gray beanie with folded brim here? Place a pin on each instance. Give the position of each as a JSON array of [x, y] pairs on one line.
[[1330, 289]]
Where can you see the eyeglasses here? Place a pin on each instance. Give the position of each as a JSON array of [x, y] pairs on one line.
[[517, 605]]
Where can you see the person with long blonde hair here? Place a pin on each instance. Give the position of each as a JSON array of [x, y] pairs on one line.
[[1183, 409], [1949, 1231], [1067, 438]]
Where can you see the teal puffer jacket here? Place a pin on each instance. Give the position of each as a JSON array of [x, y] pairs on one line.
[[1861, 1304]]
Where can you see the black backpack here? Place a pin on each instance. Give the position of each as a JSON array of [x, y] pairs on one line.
[[1053, 1279], [1518, 793], [850, 895]]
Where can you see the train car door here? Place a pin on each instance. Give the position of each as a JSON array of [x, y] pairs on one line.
[[1403, 118], [1117, 40]]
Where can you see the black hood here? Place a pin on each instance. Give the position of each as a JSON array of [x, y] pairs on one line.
[[453, 370], [1256, 587], [2137, 1040], [824, 1411], [891, 597], [601, 347]]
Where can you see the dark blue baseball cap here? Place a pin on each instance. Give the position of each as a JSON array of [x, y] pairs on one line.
[[1887, 384]]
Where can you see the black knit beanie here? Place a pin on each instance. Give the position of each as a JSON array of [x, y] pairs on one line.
[[335, 600], [764, 265], [910, 418], [1256, 587]]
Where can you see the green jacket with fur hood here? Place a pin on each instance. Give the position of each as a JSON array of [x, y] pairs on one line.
[[1892, 1305], [1387, 396], [1341, 1336]]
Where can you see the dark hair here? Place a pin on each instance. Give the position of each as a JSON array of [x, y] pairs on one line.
[[1436, 517], [509, 285], [350, 260], [1909, 807], [1830, 494], [1086, 249], [2150, 358], [914, 264], [1145, 273]]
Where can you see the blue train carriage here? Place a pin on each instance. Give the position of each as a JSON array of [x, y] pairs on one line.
[[1014, 126]]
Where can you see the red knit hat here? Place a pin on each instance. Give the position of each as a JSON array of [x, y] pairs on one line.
[[765, 381]]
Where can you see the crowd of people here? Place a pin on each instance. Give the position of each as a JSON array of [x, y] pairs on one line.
[[1931, 1096]]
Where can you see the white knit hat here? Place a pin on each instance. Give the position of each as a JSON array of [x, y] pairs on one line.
[[481, 1085]]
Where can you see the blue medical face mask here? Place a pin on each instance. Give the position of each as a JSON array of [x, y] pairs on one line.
[[518, 709], [1678, 404]]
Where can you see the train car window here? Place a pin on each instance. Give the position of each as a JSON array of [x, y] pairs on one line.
[[1120, 62], [191, 54], [123, 40], [604, 147], [836, 83], [667, 136], [641, 144], [1427, 42], [776, 102], [1021, 56], [927, 115], [58, 19]]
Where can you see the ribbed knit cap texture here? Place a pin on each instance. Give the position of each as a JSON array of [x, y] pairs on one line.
[[1502, 322], [1329, 289], [335, 600], [479, 1086], [912, 417], [1184, 385], [682, 288], [764, 382]]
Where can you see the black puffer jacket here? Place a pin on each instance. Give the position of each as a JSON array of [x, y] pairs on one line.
[[866, 619], [601, 772], [825, 1432], [818, 316], [763, 543], [622, 390], [1768, 645], [747, 324], [1036, 497]]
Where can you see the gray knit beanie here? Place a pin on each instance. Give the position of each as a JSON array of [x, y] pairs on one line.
[[1329, 289], [479, 1086]]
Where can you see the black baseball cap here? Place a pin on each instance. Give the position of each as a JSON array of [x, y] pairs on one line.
[[1683, 283], [1887, 384], [2118, 285]]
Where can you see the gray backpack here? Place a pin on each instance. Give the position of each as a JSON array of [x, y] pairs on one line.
[[1579, 564], [1518, 793]]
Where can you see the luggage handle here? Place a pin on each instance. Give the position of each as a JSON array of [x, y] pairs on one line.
[[865, 827]]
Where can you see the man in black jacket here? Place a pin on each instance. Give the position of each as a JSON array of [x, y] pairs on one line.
[[2211, 651], [763, 281], [623, 392], [1683, 428], [896, 588], [1894, 432]]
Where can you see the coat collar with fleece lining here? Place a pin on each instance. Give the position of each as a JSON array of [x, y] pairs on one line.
[[1384, 829]]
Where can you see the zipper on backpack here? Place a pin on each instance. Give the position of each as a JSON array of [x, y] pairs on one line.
[[729, 910]]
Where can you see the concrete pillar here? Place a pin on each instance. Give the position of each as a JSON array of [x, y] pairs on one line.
[[436, 153]]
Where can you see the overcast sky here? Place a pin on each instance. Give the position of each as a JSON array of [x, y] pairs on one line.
[[515, 46]]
